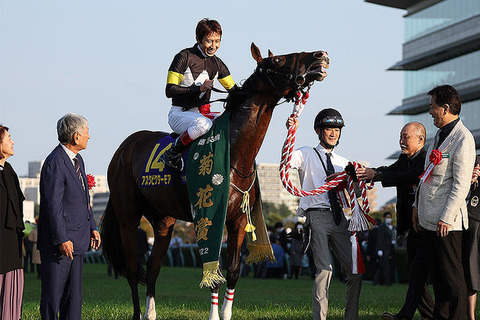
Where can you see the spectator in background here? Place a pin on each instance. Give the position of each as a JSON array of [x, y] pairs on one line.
[[372, 246], [175, 247], [35, 253], [275, 270], [11, 233], [384, 250], [296, 254], [27, 259]]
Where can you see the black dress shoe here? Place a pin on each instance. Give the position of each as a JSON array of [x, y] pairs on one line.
[[392, 316]]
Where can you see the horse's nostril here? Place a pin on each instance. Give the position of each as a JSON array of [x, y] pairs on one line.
[[319, 54]]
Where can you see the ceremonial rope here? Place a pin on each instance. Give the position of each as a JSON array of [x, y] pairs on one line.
[[360, 220], [246, 208]]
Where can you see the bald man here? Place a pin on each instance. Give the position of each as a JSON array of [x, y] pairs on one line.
[[404, 174]]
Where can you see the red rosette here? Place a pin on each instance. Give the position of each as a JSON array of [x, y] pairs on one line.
[[91, 181], [435, 157]]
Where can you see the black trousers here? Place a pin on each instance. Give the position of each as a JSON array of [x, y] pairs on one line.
[[444, 256], [418, 296]]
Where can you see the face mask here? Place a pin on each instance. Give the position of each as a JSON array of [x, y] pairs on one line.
[[388, 221]]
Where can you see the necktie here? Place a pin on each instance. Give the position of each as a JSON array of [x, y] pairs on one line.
[[77, 170], [332, 195]]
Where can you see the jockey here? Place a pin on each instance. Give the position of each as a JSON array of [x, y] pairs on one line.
[[189, 83]]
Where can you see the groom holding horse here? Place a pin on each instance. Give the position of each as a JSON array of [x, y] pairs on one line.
[[324, 214]]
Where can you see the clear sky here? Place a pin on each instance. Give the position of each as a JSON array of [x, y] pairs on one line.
[[108, 61]]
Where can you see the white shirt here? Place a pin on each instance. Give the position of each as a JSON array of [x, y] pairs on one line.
[[70, 154], [312, 174]]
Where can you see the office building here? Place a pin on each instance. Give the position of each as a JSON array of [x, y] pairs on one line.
[[441, 46]]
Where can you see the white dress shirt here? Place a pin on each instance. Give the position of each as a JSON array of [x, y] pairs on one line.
[[312, 174]]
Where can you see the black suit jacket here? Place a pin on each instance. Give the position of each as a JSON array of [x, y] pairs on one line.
[[404, 174], [11, 220], [65, 212]]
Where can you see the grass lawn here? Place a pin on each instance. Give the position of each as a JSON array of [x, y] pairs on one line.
[[179, 297]]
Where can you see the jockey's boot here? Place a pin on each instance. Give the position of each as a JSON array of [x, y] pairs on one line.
[[173, 156]]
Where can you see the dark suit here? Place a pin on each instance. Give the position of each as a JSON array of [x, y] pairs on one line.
[[65, 215], [384, 243], [403, 174]]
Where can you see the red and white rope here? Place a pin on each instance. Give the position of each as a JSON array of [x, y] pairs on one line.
[[360, 220]]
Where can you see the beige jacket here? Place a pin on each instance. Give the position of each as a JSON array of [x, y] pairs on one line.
[[442, 196]]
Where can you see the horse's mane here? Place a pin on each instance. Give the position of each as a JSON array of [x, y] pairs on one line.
[[240, 93]]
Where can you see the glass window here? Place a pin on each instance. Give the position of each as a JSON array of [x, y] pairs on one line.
[[470, 116], [460, 69], [438, 16]]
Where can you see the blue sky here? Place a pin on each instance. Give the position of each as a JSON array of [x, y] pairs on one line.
[[108, 61]]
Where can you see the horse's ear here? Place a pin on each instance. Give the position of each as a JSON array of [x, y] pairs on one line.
[[270, 54], [256, 53]]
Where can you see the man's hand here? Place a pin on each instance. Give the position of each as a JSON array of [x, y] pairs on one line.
[[364, 173], [416, 224], [66, 249], [442, 228], [207, 85], [292, 121], [95, 240]]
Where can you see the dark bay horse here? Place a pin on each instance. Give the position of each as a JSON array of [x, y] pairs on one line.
[[250, 110]]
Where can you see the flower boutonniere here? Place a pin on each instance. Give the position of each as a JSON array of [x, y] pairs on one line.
[[91, 181], [435, 157]]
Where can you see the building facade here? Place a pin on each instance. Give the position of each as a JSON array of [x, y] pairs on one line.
[[441, 46], [271, 186]]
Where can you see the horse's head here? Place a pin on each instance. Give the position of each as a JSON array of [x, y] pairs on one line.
[[291, 72]]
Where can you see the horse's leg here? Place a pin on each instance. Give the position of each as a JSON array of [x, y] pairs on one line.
[[214, 303], [129, 241], [162, 229], [236, 234]]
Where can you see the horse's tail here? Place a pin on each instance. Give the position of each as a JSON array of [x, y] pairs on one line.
[[112, 241]]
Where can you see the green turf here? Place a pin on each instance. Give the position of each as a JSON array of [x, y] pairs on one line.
[[179, 297]]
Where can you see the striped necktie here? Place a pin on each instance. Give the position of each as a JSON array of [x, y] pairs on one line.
[[77, 170]]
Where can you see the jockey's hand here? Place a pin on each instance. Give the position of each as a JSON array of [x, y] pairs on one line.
[[364, 173], [332, 176], [292, 121], [207, 85]]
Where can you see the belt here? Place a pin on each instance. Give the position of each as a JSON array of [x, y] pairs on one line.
[[318, 209]]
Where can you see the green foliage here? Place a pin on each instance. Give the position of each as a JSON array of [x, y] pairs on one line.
[[179, 297], [274, 213]]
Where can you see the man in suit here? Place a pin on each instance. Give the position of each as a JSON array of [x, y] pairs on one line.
[[440, 210], [404, 175], [384, 251], [66, 226]]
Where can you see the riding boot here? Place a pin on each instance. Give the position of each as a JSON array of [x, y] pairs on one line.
[[173, 156]]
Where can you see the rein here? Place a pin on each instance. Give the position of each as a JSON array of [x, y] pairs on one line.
[[360, 220]]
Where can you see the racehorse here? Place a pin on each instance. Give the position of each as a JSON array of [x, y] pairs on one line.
[[251, 108]]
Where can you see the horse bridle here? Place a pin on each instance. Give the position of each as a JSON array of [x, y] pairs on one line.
[[295, 80]]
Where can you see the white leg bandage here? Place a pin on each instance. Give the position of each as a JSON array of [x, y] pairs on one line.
[[227, 304], [214, 307], [150, 313]]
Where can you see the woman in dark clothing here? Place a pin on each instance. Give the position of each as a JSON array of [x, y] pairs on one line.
[[11, 233], [471, 242]]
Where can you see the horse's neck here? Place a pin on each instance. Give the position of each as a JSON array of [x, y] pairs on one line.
[[248, 127]]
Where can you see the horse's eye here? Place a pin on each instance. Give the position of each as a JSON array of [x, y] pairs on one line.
[[278, 61]]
